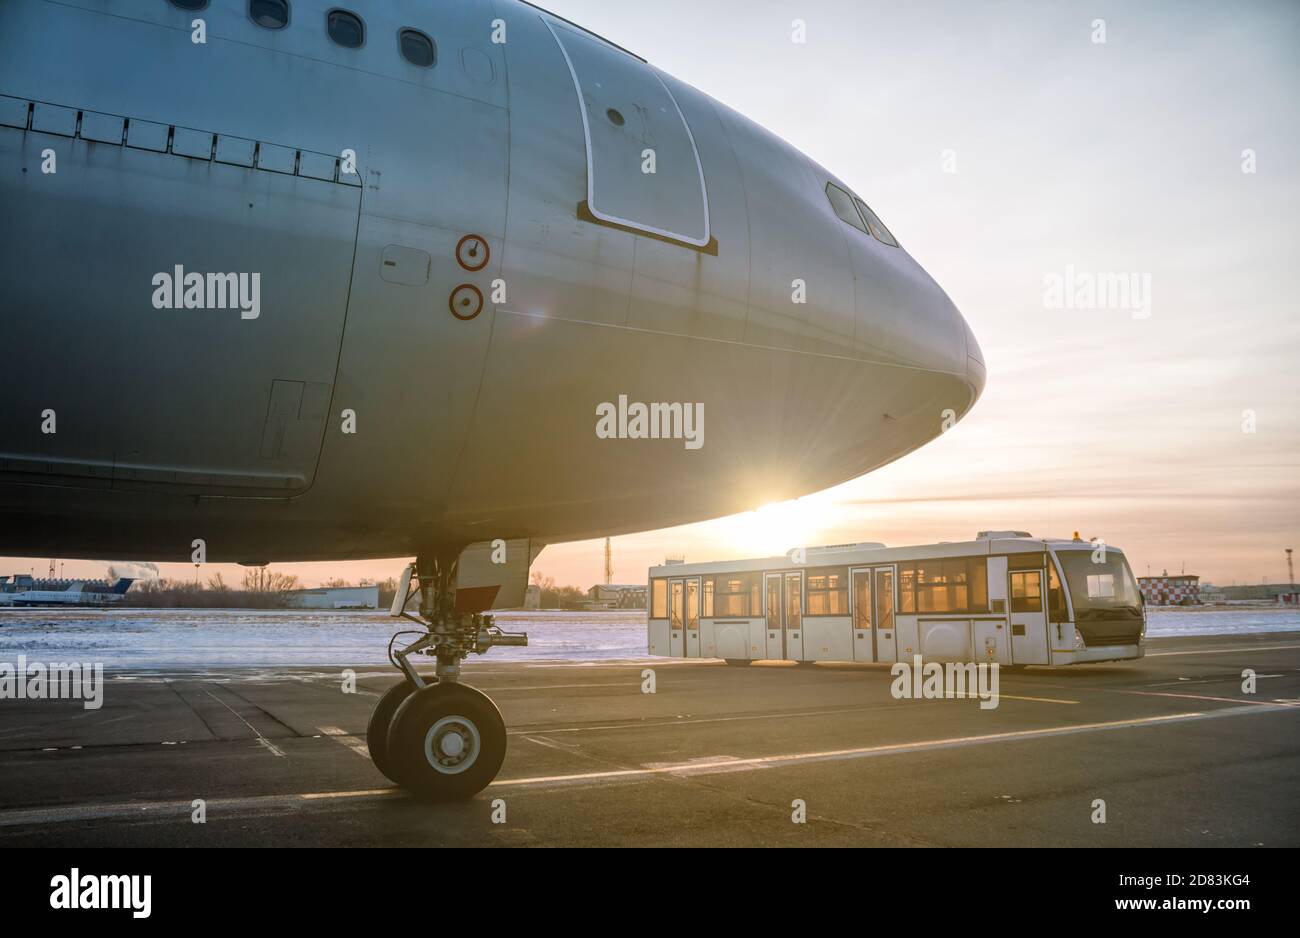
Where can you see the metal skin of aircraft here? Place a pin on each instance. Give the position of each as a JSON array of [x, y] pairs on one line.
[[292, 286]]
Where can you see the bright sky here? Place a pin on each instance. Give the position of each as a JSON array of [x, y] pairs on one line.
[[1104, 158]]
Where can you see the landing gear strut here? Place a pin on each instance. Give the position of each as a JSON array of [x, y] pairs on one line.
[[439, 738]]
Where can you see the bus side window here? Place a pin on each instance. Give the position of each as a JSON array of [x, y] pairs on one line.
[[708, 597], [1026, 591], [659, 599], [907, 589], [1055, 596], [774, 602]]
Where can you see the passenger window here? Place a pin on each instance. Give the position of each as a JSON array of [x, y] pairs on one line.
[[842, 202], [345, 28], [1027, 591], [878, 229], [417, 48], [828, 593], [659, 599], [732, 595], [907, 590], [271, 14]]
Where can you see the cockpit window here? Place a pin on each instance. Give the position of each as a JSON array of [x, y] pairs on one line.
[[345, 28], [878, 229], [842, 202], [417, 48], [272, 14]]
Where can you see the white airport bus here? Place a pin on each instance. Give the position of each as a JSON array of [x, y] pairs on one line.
[[1005, 597]]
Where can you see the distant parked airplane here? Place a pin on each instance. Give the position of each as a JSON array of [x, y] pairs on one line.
[[22, 590]]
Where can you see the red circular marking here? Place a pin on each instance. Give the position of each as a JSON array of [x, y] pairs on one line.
[[458, 292], [479, 242]]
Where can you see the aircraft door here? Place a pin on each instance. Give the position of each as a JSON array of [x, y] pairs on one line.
[[643, 168], [178, 312]]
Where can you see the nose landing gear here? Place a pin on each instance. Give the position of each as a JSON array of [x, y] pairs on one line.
[[439, 738]]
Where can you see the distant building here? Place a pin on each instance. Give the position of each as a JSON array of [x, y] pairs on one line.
[[616, 596], [1212, 594], [342, 597], [1261, 592], [1166, 590]]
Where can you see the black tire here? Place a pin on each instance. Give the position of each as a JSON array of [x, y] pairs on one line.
[[737, 662], [457, 712], [380, 720]]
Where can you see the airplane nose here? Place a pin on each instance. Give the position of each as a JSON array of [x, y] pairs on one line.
[[976, 372]]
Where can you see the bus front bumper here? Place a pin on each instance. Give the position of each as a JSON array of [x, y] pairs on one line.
[[1098, 653]]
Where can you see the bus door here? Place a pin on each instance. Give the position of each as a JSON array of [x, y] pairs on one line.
[[864, 636], [885, 631], [794, 616], [1028, 616], [775, 633], [676, 618], [693, 617]]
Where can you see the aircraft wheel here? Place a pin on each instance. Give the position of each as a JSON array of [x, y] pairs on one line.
[[737, 662], [380, 721], [447, 742]]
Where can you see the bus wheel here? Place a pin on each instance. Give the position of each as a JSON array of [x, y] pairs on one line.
[[447, 742], [737, 662]]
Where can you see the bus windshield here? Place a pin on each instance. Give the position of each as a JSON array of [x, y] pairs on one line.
[[1101, 590]]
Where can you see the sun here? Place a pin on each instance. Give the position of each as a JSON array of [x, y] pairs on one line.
[[779, 527]]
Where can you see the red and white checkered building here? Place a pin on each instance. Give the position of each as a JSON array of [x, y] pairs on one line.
[[1170, 590]]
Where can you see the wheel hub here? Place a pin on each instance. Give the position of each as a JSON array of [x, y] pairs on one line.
[[452, 744]]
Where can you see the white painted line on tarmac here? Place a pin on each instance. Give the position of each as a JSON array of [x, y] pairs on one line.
[[738, 765], [355, 743], [1231, 700], [1056, 700]]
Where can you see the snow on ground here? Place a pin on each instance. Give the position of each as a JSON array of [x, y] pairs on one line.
[[201, 638]]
